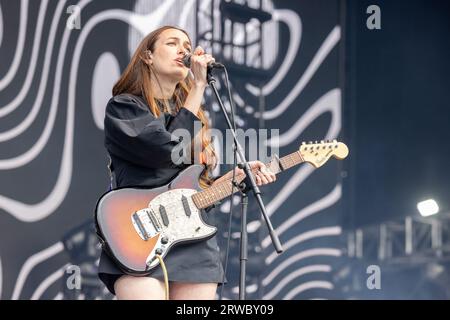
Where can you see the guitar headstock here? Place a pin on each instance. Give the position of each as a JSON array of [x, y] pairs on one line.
[[318, 153]]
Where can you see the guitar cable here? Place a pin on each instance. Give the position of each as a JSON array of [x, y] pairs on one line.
[[166, 277]]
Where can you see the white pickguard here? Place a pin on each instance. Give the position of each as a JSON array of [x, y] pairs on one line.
[[181, 227]]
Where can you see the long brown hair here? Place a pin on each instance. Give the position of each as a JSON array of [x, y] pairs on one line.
[[136, 80]]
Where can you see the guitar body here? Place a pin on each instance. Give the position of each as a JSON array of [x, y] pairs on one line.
[[135, 224]]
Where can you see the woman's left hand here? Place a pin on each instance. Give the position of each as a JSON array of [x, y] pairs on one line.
[[261, 173]]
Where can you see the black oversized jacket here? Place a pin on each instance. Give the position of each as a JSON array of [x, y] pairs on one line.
[[140, 145]]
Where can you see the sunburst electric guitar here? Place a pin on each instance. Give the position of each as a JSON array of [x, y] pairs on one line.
[[135, 225]]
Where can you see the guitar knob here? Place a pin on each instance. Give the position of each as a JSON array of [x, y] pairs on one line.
[[164, 240]]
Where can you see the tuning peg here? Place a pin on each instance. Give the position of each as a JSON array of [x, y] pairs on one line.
[[321, 141], [315, 142], [303, 143], [334, 140]]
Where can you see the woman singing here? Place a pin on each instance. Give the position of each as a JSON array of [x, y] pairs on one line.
[[156, 95]]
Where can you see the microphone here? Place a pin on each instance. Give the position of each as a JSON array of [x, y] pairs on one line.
[[211, 65]]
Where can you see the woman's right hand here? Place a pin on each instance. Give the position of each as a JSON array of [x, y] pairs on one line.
[[199, 65]]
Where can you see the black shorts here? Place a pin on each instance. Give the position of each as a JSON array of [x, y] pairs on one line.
[[197, 262]]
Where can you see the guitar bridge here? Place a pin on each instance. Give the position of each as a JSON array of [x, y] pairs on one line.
[[145, 223]]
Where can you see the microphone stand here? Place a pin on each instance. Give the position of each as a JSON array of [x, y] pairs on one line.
[[249, 184]]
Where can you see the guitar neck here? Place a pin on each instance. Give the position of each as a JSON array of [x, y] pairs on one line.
[[219, 191]]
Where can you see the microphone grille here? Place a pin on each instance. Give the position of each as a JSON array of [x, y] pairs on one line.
[[187, 60]]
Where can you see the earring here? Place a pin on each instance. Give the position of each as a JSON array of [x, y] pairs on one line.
[[149, 54]]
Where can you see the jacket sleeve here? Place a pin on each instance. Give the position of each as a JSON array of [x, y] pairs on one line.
[[134, 134]]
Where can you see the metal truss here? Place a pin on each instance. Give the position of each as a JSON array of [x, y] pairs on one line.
[[412, 240]]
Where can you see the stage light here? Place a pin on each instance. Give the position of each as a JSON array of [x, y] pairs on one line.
[[427, 207]]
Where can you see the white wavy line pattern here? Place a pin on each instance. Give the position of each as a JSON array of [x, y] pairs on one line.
[[329, 43], [17, 130], [59, 296], [311, 234], [32, 213], [5, 110], [6, 80], [32, 262], [329, 102], [313, 208], [298, 257], [293, 276], [48, 282], [308, 286]]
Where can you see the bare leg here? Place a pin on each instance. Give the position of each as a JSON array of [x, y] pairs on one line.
[[139, 288], [192, 291]]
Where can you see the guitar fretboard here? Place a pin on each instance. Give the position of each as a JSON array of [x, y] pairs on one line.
[[219, 191]]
